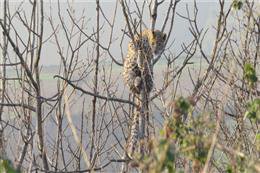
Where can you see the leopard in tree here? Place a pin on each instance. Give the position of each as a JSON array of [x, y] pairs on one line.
[[138, 74], [148, 44]]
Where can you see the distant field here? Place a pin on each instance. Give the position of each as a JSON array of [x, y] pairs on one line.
[[47, 72]]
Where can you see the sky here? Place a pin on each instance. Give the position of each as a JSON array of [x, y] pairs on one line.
[[207, 17]]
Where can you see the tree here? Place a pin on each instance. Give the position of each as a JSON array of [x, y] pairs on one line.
[[76, 116]]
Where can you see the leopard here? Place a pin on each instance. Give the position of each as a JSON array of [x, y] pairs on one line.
[[138, 71], [138, 75]]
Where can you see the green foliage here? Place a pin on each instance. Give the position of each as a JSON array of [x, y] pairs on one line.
[[196, 142], [166, 156], [237, 4], [253, 110], [243, 165], [7, 167], [250, 74], [183, 105], [160, 159], [191, 141], [229, 169], [178, 140]]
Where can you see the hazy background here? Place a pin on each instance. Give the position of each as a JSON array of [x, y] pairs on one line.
[[50, 59], [207, 16]]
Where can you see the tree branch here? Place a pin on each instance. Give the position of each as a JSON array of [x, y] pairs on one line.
[[95, 95]]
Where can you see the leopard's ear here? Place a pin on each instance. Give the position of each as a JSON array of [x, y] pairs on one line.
[[164, 36]]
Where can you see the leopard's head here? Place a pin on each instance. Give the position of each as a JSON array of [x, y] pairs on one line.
[[157, 41]]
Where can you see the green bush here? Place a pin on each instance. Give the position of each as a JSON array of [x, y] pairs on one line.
[[7, 167]]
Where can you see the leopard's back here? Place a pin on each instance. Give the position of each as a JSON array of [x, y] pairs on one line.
[[131, 70]]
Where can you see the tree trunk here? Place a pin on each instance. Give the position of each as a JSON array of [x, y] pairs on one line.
[[3, 81]]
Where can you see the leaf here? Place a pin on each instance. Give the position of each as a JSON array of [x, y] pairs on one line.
[[258, 136], [229, 169], [250, 74], [253, 110], [237, 4], [184, 105]]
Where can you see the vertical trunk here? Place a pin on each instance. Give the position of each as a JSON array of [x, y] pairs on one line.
[[135, 131], [142, 120], [38, 91], [3, 80], [59, 135], [154, 14], [28, 98], [40, 125], [133, 136], [146, 73], [94, 101]]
